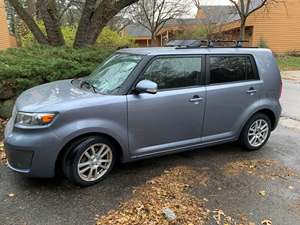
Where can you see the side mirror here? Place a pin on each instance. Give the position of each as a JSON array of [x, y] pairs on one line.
[[146, 86]]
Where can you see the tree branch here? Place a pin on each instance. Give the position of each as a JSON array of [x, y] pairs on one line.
[[29, 21]]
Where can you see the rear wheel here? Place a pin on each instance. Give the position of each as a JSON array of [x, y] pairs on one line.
[[89, 161], [256, 132]]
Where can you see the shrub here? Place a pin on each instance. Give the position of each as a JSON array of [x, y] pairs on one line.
[[107, 38], [287, 62], [262, 43], [110, 38], [23, 68]]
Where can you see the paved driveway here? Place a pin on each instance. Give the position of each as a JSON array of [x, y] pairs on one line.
[[245, 195], [291, 99], [58, 202]]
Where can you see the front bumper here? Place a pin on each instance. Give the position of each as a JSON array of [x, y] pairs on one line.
[[19, 161], [32, 152]]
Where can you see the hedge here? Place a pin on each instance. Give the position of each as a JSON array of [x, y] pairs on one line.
[[23, 68]]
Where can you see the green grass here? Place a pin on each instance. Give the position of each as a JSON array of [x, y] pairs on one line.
[[286, 62]]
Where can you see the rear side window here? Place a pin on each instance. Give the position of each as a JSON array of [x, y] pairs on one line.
[[174, 72], [224, 69]]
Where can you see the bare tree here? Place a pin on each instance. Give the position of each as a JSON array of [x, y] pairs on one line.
[[245, 8], [154, 14], [198, 3], [214, 17], [95, 14], [120, 21]]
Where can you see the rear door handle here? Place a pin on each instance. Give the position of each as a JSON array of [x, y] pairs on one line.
[[251, 91], [196, 98]]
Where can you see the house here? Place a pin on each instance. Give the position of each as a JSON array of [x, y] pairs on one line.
[[7, 40], [142, 36], [276, 26]]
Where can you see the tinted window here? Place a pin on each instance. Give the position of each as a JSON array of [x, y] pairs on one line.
[[174, 72], [230, 69]]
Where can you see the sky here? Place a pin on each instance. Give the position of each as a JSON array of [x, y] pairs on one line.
[[207, 2], [216, 2]]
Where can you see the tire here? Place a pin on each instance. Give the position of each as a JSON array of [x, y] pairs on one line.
[[249, 138], [90, 153]]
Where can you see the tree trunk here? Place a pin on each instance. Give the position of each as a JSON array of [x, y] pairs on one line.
[[31, 9], [84, 23], [94, 19], [51, 22], [153, 40], [242, 29], [103, 14], [28, 20]]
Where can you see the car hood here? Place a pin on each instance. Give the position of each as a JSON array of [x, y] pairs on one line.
[[43, 97]]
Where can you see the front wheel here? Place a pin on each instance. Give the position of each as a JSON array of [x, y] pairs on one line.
[[256, 132], [89, 161]]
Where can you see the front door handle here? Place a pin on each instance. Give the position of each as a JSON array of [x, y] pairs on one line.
[[251, 91], [196, 98]]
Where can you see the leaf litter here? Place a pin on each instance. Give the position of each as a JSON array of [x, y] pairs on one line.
[[165, 200], [2, 153], [264, 169], [168, 191]]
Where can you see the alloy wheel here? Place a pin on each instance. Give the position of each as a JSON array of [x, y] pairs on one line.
[[258, 132], [94, 162]]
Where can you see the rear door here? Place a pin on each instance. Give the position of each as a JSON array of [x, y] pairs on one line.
[[172, 118], [233, 86]]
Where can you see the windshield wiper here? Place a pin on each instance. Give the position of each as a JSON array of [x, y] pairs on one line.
[[88, 84]]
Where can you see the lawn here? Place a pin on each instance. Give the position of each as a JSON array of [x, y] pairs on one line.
[[288, 62]]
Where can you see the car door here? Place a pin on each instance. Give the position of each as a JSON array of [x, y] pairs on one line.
[[173, 117], [233, 87]]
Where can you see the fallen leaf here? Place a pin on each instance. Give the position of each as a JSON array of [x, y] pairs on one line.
[[262, 193], [266, 222], [11, 195]]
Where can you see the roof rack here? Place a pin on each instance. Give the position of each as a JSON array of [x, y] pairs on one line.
[[182, 44]]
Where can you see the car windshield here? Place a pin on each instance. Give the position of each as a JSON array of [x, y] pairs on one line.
[[111, 74]]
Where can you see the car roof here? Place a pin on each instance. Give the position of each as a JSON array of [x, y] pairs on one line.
[[186, 51]]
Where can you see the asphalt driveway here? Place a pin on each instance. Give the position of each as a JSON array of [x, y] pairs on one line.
[[55, 201], [252, 190]]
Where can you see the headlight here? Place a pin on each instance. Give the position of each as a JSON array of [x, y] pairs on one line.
[[34, 119]]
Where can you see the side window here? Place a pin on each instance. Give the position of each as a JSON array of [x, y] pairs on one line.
[[174, 72], [225, 69]]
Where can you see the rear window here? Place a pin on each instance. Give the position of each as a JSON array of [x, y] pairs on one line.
[[224, 69]]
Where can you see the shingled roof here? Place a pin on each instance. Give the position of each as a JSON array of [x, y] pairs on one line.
[[220, 14], [137, 30]]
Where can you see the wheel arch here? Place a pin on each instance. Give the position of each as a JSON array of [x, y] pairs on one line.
[[270, 114], [264, 110], [79, 138]]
